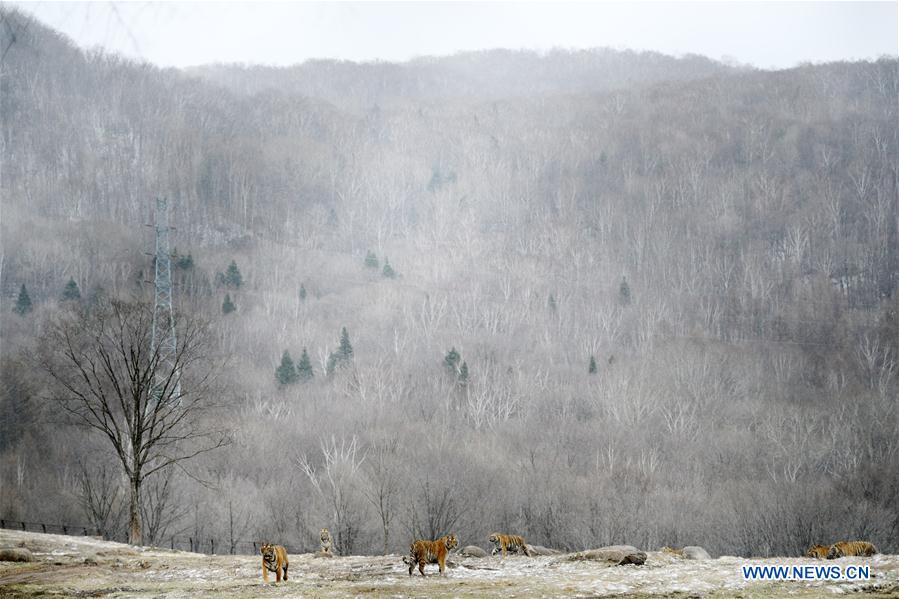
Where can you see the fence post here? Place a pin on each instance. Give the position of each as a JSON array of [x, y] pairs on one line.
[[173, 543], [43, 527], [23, 526], [191, 541], [254, 547], [65, 529], [212, 546]]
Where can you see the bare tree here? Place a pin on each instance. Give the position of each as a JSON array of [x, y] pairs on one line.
[[383, 484], [334, 480], [106, 376], [160, 507], [100, 494]]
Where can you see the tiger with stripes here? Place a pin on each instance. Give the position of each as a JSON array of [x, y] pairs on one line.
[[430, 552], [851, 548], [505, 543]]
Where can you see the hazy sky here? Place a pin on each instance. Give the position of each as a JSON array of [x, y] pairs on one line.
[[766, 34]]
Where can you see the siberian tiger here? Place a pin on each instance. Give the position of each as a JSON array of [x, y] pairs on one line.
[[504, 543], [274, 559], [848, 548], [817, 551], [430, 552], [325, 537]]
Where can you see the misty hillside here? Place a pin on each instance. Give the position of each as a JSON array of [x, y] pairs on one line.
[[672, 286], [477, 76]]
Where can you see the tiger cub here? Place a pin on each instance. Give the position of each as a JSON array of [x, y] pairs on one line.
[[325, 537], [817, 551], [847, 548], [274, 559], [504, 543], [430, 552]]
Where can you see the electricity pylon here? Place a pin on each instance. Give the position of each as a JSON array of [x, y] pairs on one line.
[[164, 344]]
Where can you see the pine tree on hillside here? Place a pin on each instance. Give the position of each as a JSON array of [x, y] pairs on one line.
[[185, 262], [624, 293], [233, 277], [286, 373], [302, 292], [463, 374], [552, 303], [332, 363], [345, 351], [23, 303], [371, 260], [71, 291], [304, 367], [591, 369], [228, 306], [451, 362], [388, 271]]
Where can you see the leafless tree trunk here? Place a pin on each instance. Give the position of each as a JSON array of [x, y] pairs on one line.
[[106, 377]]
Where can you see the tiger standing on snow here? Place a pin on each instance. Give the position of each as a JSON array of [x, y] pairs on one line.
[[325, 537], [274, 559], [430, 552], [504, 543], [851, 548]]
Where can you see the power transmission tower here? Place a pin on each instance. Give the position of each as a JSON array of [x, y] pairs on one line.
[[164, 344]]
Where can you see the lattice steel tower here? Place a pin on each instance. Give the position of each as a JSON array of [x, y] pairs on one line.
[[164, 340]]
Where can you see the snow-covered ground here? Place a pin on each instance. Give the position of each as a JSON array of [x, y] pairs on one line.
[[83, 566]]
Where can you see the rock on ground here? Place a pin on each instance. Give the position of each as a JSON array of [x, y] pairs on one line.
[[541, 550], [472, 551], [695, 552], [614, 555]]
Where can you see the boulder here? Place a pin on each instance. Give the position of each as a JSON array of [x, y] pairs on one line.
[[472, 551], [541, 550], [15, 554], [695, 552], [614, 555]]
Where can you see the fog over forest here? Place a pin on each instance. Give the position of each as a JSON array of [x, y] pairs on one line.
[[592, 297]]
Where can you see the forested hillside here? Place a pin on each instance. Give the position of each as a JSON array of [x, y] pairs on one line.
[[630, 298]]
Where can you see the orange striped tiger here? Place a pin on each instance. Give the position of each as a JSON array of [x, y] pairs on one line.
[[325, 537], [274, 559], [430, 552], [817, 551], [848, 548], [506, 543]]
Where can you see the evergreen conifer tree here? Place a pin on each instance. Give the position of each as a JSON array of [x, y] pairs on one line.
[[388, 271], [624, 292], [451, 362], [345, 351], [71, 291], [302, 292], [23, 303], [371, 260], [185, 262], [591, 369], [332, 363], [436, 179], [228, 306], [304, 367], [463, 374], [286, 373], [233, 277], [552, 303]]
